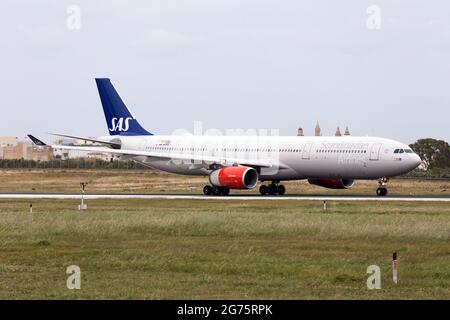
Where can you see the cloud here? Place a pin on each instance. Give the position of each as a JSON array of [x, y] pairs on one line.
[[164, 41], [41, 33]]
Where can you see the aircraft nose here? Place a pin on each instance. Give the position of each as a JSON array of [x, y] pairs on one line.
[[411, 162], [416, 159]]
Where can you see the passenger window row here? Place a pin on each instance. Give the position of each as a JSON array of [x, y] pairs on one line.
[[340, 151], [265, 150], [217, 149]]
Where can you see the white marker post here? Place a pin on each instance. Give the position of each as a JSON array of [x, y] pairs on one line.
[[82, 206], [324, 205], [394, 267]]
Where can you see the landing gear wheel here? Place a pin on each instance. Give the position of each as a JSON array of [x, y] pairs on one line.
[[382, 191], [272, 189], [207, 190], [225, 191], [281, 189], [217, 191], [379, 191], [264, 190]]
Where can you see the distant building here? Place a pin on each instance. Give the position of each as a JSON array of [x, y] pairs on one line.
[[317, 131], [17, 151], [27, 151], [37, 153], [65, 154], [347, 132], [13, 152], [11, 148], [82, 142], [8, 141], [300, 132], [338, 132]]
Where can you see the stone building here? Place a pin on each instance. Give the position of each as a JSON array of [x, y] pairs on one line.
[[8, 141], [37, 153], [17, 151]]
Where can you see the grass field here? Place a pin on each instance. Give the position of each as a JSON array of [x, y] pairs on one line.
[[149, 181], [231, 249]]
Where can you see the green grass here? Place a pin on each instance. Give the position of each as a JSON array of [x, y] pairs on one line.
[[199, 249]]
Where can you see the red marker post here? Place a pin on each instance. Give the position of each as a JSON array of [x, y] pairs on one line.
[[394, 267]]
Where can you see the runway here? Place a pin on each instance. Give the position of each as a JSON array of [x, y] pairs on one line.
[[417, 198]]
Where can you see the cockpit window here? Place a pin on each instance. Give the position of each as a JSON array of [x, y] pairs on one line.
[[403, 151]]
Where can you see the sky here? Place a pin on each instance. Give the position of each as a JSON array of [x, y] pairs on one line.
[[380, 67]]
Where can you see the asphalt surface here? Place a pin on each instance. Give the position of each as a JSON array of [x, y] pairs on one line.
[[419, 198]]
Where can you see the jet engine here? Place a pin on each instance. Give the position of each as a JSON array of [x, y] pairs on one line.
[[236, 177], [333, 183]]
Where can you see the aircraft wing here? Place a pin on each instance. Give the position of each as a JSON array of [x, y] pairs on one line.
[[109, 143], [175, 156]]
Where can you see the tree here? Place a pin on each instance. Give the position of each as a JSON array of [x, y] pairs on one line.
[[434, 153]]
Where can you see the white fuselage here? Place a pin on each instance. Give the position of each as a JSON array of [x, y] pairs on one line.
[[292, 157]]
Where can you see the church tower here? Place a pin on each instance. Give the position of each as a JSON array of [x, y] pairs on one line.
[[347, 132], [317, 130]]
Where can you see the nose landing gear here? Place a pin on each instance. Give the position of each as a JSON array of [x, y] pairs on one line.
[[272, 189], [382, 190]]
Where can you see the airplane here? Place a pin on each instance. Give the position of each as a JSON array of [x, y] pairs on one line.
[[240, 162]]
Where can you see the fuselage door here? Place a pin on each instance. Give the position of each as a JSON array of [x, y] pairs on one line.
[[375, 151], [306, 151]]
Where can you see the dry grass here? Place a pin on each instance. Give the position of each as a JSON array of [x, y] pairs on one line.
[[155, 181]]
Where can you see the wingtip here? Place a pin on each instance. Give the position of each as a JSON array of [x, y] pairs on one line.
[[36, 141]]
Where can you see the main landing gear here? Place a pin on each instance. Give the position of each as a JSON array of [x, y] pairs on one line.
[[272, 189], [382, 190], [215, 190]]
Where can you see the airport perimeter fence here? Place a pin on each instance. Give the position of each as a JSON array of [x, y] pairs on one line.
[[80, 163]]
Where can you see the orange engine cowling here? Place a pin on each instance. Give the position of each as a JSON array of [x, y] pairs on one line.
[[240, 177], [333, 183]]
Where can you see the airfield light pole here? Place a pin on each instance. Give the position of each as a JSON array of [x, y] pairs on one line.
[[394, 267], [82, 206]]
